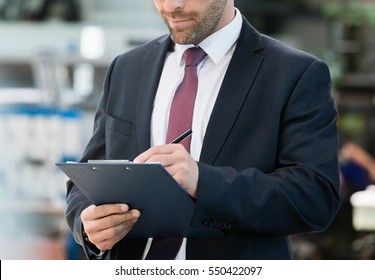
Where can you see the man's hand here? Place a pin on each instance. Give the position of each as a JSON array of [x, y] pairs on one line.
[[106, 225], [177, 161]]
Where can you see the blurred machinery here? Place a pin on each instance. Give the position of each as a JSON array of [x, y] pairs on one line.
[[40, 10], [351, 41]]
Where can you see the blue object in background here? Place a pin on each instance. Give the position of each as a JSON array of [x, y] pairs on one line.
[[355, 176]]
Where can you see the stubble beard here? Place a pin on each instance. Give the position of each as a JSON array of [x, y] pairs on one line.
[[200, 28]]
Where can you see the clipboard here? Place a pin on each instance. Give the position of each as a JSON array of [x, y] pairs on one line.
[[166, 208]]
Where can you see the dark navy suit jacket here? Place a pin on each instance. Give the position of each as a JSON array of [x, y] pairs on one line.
[[268, 165]]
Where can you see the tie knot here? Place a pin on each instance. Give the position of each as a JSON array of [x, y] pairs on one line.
[[193, 56]]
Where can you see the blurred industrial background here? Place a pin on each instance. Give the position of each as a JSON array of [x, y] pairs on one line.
[[53, 59]]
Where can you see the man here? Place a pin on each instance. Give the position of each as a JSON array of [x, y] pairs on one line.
[[263, 154]]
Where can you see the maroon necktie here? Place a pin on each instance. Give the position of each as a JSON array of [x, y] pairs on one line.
[[181, 112], [180, 120]]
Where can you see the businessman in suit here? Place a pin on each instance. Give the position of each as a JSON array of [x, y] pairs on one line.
[[263, 153]]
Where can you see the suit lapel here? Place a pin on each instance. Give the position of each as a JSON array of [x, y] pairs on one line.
[[238, 80], [152, 67]]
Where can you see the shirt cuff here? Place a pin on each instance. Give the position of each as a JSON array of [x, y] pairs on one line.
[[92, 251]]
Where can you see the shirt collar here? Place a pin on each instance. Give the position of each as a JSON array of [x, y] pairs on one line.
[[217, 44]]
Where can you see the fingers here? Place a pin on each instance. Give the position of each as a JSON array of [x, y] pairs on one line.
[[177, 161], [109, 220], [165, 154], [105, 225], [96, 212], [173, 157], [105, 239]]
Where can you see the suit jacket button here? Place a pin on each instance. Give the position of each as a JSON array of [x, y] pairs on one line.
[[207, 222], [210, 223], [213, 223]]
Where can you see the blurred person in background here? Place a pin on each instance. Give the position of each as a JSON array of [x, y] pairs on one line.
[[351, 153]]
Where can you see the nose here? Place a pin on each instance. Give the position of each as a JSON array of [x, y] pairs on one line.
[[173, 5]]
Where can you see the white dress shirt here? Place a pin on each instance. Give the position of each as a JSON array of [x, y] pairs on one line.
[[219, 48]]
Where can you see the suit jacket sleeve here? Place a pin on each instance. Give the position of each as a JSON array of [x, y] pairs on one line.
[[301, 194]]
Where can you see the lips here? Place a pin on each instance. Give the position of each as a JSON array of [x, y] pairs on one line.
[[179, 23]]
